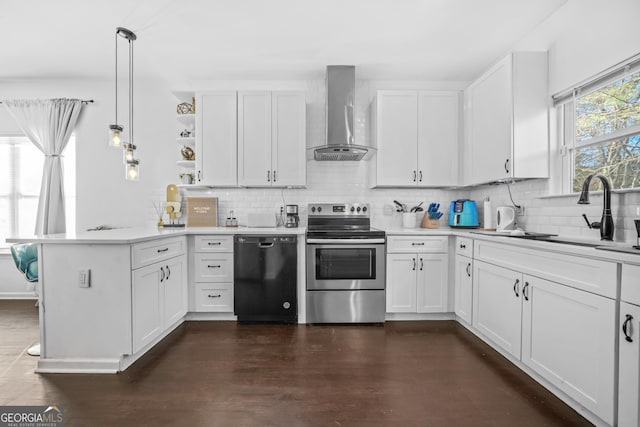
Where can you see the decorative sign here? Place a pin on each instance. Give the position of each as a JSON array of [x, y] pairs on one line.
[[202, 211]]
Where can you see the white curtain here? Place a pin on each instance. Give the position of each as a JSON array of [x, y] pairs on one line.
[[48, 123]]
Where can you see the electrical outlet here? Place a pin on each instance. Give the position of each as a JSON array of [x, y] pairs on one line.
[[84, 278], [520, 210]]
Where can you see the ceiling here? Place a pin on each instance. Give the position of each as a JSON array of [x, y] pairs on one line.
[[195, 40]]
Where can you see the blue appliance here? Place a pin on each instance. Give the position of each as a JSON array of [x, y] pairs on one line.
[[463, 213]]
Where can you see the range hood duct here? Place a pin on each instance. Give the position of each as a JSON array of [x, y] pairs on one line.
[[341, 92]]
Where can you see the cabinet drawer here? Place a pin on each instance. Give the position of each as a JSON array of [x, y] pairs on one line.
[[214, 267], [464, 246], [214, 243], [415, 244], [157, 250], [214, 297], [630, 291], [591, 275]]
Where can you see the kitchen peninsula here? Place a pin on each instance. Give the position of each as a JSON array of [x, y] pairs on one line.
[[107, 297]]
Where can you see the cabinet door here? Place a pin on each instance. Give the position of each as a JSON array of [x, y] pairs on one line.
[[288, 158], [401, 283], [175, 290], [432, 283], [397, 138], [497, 306], [464, 288], [216, 139], [438, 130], [489, 115], [148, 305], [569, 339], [254, 139], [629, 366]]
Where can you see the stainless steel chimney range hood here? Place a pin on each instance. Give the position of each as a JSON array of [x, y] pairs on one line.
[[341, 91]]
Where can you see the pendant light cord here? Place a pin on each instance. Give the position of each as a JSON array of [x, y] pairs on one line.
[[116, 39], [130, 92]]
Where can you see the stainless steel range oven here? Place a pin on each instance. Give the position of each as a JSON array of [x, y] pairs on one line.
[[346, 269]]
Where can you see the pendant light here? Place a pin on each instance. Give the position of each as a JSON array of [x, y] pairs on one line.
[[132, 172]]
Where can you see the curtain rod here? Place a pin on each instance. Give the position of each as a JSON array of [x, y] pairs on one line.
[[84, 101]]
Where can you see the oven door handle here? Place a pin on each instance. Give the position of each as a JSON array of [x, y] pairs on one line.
[[345, 241]]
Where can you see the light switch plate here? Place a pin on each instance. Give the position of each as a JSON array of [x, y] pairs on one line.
[[84, 278]]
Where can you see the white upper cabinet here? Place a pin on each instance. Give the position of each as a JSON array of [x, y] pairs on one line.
[[216, 139], [506, 121], [417, 137], [271, 139]]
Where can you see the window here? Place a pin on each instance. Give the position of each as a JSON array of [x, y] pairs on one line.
[[602, 131], [20, 179]]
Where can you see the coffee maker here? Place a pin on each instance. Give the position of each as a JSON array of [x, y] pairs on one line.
[[293, 219]]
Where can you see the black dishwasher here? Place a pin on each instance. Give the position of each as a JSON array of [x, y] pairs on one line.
[[265, 278]]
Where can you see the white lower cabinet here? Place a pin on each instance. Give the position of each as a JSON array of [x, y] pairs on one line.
[[159, 299], [629, 348], [496, 305], [417, 282], [568, 338], [463, 286], [564, 334], [213, 274]]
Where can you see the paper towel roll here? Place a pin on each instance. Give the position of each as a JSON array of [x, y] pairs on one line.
[[488, 214]]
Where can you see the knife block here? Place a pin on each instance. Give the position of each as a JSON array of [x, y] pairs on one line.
[[429, 223]]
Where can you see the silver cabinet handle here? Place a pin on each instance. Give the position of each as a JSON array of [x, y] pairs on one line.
[[506, 165], [414, 176], [417, 243], [420, 176], [268, 176], [161, 274], [516, 288], [214, 266], [626, 328], [168, 272], [274, 176], [421, 264], [414, 264], [525, 291], [214, 243], [468, 269], [163, 250], [199, 178], [214, 296]]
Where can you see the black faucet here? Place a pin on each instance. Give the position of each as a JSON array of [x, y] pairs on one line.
[[606, 223]]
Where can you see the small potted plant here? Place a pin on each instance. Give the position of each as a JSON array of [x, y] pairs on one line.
[[186, 178]]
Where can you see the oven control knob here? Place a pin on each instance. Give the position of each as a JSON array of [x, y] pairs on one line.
[[364, 209], [352, 209], [319, 208], [313, 208], [358, 209]]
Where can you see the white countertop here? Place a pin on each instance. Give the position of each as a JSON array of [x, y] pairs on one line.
[[140, 234], [135, 235]]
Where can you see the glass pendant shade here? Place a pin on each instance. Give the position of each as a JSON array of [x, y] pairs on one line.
[[115, 136], [128, 153], [132, 170]]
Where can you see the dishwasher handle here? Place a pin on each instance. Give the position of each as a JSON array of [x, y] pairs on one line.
[[265, 245]]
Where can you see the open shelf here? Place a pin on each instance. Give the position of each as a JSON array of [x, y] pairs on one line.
[[189, 142], [187, 164]]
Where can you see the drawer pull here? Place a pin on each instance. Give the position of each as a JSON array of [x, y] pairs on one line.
[[515, 288], [162, 275], [417, 244], [525, 292], [168, 272], [421, 264], [468, 267], [627, 335], [414, 264], [163, 250], [214, 266], [214, 243], [463, 246], [214, 296]]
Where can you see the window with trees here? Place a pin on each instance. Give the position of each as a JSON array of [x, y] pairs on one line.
[[602, 130]]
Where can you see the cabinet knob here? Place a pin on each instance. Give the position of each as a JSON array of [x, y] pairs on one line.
[[463, 246]]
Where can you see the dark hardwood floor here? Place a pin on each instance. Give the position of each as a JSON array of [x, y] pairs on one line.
[[432, 373]]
